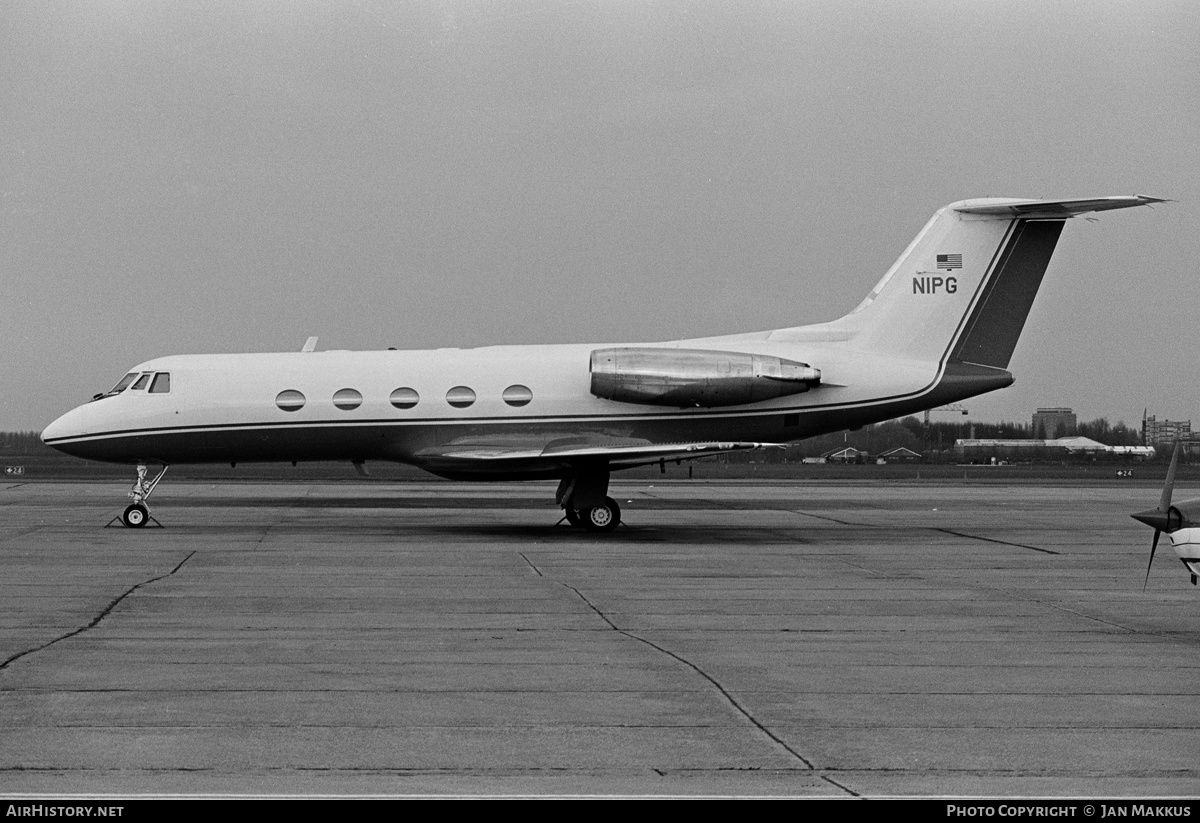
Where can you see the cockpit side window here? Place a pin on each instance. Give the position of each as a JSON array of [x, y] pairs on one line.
[[161, 383], [141, 382]]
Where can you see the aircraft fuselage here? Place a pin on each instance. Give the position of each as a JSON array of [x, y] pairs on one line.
[[225, 408]]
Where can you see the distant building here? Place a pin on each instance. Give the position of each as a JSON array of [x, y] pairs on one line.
[[1058, 449], [1051, 424], [846, 454], [1165, 432], [900, 455]]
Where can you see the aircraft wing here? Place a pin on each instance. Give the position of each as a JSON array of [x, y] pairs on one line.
[[480, 458]]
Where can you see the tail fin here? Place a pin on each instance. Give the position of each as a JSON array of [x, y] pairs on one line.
[[964, 286]]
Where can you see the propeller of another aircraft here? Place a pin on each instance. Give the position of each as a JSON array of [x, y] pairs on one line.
[[1175, 522]]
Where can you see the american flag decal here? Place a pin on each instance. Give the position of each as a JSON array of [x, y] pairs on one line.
[[949, 261]]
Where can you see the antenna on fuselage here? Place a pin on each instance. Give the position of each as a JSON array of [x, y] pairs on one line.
[[310, 344]]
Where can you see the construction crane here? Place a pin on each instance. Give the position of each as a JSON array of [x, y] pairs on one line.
[[952, 407]]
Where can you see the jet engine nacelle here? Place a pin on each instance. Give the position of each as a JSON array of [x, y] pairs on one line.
[[695, 377]]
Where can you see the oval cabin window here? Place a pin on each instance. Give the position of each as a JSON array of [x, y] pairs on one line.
[[517, 395], [405, 398], [290, 400], [347, 399], [460, 397]]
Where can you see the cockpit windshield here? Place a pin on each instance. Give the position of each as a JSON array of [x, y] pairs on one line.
[[135, 381], [122, 384]]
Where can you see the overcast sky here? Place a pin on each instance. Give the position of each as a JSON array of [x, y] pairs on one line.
[[226, 177]]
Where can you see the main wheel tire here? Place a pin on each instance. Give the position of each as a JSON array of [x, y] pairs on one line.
[[135, 516], [573, 516], [602, 518]]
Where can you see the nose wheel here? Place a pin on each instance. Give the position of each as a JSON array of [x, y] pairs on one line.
[[135, 516], [137, 513]]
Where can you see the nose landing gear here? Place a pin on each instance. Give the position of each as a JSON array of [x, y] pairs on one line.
[[137, 513], [135, 516]]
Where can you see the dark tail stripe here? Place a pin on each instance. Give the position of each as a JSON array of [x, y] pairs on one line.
[[995, 324]]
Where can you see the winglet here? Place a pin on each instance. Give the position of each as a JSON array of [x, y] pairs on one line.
[[310, 344]]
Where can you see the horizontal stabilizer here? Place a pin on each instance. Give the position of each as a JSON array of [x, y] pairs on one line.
[[1051, 209]]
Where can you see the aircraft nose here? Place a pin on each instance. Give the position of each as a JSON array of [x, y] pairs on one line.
[[54, 431], [70, 425]]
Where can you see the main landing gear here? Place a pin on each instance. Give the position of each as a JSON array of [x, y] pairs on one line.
[[602, 518], [585, 503], [137, 513]]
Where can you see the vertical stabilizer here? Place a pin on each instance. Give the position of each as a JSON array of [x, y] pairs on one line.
[[918, 307], [964, 287]]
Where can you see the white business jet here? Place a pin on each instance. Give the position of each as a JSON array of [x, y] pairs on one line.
[[939, 327]]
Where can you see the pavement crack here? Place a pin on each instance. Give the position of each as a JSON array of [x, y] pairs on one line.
[[536, 570], [826, 517], [994, 540], [1078, 613], [742, 710], [869, 570], [846, 789], [96, 620], [283, 512]]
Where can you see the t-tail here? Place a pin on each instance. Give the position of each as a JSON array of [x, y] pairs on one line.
[[960, 293]]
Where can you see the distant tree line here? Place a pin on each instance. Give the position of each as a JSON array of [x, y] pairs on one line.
[[938, 440], [1118, 435], [23, 443]]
